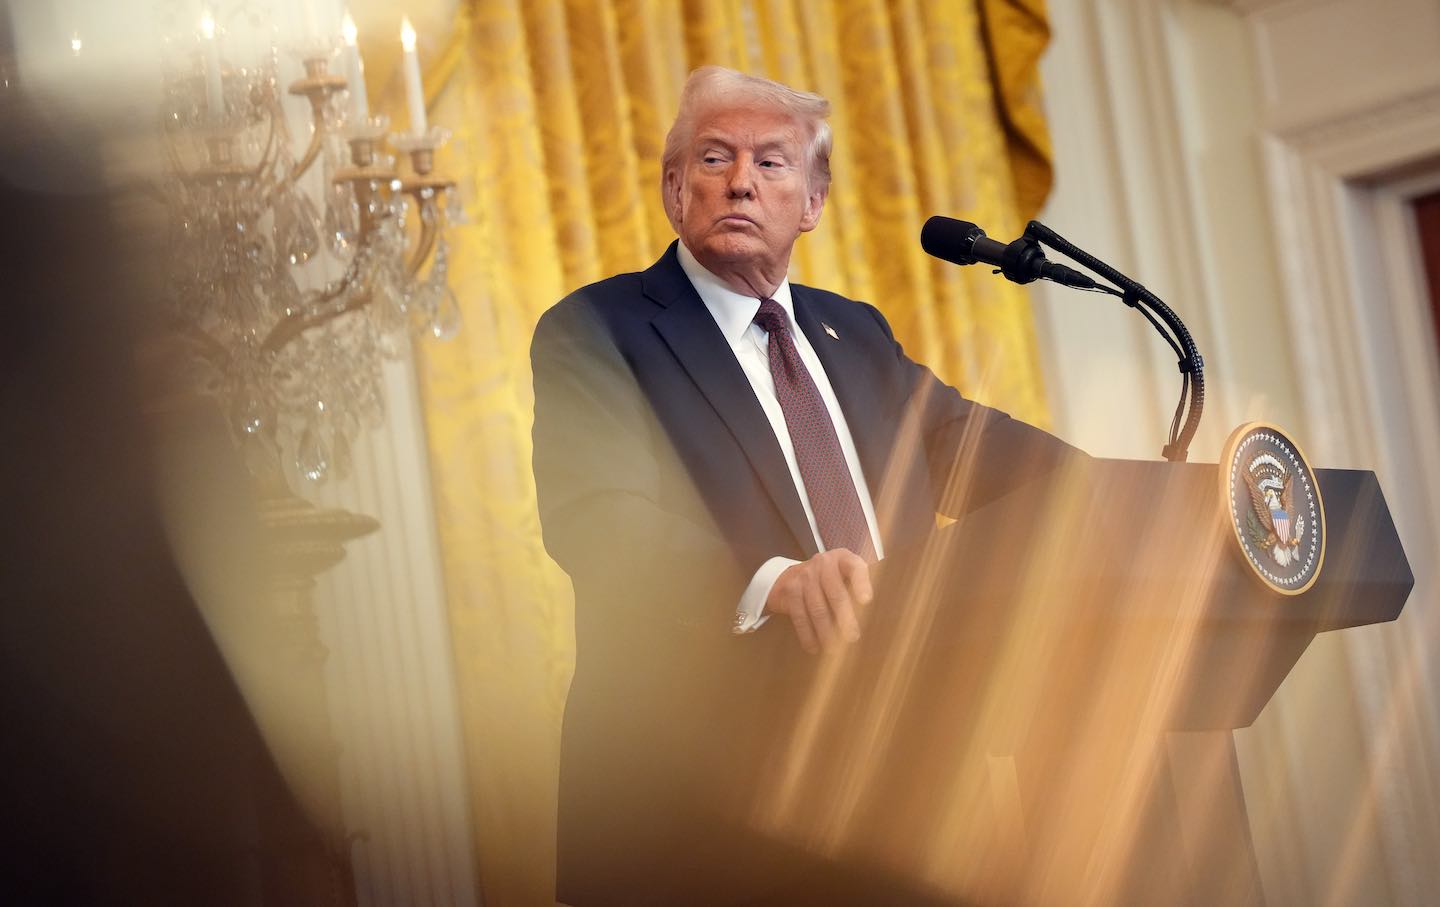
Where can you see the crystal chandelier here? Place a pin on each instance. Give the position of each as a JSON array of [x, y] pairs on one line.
[[293, 273]]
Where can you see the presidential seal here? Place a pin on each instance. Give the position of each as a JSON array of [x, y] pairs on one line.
[[1274, 506]]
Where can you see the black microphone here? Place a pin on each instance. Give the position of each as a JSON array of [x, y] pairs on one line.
[[1022, 261]]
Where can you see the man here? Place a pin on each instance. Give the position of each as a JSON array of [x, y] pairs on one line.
[[718, 454]]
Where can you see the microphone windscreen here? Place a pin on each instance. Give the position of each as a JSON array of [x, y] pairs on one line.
[[950, 239]]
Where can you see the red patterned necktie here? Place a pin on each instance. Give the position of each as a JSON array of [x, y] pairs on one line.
[[827, 478]]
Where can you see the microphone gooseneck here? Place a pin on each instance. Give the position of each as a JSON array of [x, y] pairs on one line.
[[1022, 261]]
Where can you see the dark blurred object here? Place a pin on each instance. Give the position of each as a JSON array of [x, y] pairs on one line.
[[131, 770]]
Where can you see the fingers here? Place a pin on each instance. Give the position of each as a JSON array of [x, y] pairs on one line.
[[857, 575], [803, 631], [817, 605], [822, 596], [837, 595]]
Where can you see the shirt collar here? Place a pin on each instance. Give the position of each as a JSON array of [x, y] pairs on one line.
[[732, 311]]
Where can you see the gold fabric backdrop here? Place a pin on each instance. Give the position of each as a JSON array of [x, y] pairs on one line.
[[559, 111]]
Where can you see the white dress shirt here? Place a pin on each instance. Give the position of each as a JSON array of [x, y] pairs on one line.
[[735, 314]]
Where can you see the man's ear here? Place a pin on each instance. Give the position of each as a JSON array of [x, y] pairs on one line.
[[673, 208], [814, 204]]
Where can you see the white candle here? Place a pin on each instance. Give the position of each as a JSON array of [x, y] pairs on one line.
[[214, 88], [355, 72], [414, 93]]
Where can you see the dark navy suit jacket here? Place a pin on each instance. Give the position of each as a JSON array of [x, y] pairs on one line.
[[661, 490]]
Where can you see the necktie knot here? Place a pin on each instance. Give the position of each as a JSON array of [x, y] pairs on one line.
[[771, 316]]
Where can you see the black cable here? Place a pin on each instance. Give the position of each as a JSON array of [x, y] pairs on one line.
[[1163, 331], [1179, 407], [1192, 365]]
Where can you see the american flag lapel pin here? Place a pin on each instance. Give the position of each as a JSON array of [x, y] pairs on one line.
[[829, 330]]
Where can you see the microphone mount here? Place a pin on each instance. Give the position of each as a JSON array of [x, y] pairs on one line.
[[1023, 261]]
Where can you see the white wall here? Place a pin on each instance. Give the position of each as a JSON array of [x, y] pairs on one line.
[[1250, 162]]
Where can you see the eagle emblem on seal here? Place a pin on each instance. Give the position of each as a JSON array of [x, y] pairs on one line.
[[1272, 523], [1271, 499]]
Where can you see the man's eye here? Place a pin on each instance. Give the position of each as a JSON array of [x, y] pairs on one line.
[[772, 165], [711, 159]]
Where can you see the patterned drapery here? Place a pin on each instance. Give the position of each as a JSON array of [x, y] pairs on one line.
[[559, 109]]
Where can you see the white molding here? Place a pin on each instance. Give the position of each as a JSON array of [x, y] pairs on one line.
[[1364, 142], [1252, 7], [1305, 212], [390, 675], [1416, 387], [1346, 65], [1367, 351]]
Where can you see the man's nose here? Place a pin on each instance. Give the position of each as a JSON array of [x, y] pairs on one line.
[[741, 182]]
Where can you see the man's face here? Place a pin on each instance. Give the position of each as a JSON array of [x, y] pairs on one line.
[[741, 198]]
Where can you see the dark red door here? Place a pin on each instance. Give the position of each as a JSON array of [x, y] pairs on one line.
[[1427, 222]]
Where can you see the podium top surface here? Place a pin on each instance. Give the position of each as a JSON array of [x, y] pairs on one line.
[[1135, 562], [1366, 577]]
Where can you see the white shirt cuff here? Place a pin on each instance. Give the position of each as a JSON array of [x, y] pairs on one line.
[[749, 616]]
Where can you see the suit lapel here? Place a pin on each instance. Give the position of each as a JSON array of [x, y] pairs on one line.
[[692, 335]]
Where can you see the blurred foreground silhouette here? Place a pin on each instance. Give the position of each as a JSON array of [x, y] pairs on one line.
[[131, 770]]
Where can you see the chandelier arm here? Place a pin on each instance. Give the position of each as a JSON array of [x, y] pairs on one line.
[[293, 326], [334, 291], [427, 189], [429, 232], [316, 87], [316, 311], [268, 155], [364, 196], [317, 138], [275, 133]]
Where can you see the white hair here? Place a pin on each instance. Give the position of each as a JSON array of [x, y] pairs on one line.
[[715, 87]]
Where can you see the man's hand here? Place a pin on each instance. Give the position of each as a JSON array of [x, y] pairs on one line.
[[820, 596]]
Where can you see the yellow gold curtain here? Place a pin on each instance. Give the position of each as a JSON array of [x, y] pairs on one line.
[[559, 109]]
